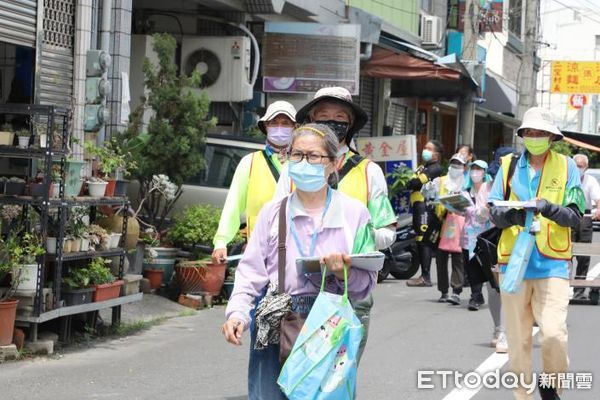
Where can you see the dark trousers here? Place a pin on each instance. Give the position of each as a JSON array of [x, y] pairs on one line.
[[458, 271], [583, 234], [476, 288], [425, 254]]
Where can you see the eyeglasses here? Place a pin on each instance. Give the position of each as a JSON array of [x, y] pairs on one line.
[[312, 158]]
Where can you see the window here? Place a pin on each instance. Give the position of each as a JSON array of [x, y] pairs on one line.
[[515, 16], [221, 162]]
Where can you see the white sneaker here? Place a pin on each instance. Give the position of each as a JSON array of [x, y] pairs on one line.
[[502, 343], [495, 337]]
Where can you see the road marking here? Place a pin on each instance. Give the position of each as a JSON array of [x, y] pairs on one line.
[[492, 363], [593, 273]]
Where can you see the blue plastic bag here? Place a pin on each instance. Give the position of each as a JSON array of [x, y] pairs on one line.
[[323, 361], [519, 258]]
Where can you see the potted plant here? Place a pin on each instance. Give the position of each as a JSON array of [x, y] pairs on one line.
[[76, 287], [41, 131], [96, 187], [78, 229], [15, 187], [157, 256], [23, 135], [7, 135], [114, 164], [99, 238], [107, 287]]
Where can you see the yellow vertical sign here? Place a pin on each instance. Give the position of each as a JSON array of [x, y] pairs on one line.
[[575, 77]]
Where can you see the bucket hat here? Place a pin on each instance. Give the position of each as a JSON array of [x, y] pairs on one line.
[[542, 119], [274, 109], [480, 163], [459, 158], [340, 95]]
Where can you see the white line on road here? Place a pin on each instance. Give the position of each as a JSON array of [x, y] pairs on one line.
[[593, 273], [492, 363]]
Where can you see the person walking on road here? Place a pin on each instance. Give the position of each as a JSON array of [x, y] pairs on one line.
[[255, 177], [552, 182], [425, 222], [321, 222], [358, 176], [453, 183], [584, 232]]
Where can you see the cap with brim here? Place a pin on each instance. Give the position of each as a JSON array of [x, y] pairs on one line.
[[480, 163], [276, 108], [339, 95], [459, 158], [541, 119]]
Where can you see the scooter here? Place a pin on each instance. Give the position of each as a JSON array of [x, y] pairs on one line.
[[400, 258]]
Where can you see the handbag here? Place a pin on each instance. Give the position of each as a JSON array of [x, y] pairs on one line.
[[292, 322], [451, 233], [519, 259], [323, 361]]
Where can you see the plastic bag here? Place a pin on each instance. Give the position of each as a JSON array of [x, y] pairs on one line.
[[519, 259], [451, 233]]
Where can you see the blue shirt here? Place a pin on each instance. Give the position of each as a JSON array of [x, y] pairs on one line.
[[525, 188]]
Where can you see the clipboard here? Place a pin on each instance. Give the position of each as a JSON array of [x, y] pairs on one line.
[[372, 262], [455, 201]]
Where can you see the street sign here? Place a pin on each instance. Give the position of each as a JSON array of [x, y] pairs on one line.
[[575, 77], [577, 101]]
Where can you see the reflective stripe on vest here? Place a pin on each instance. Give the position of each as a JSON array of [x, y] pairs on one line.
[[261, 188], [356, 184], [553, 241]]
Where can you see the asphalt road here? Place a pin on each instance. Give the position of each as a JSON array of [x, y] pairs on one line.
[[186, 357]]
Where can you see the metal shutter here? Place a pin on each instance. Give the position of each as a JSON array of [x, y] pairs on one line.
[[56, 75], [18, 20], [365, 99], [397, 117]]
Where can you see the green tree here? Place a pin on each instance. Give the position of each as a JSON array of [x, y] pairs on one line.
[[173, 143]]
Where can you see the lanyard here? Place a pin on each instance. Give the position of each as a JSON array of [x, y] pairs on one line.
[[313, 241], [529, 180]]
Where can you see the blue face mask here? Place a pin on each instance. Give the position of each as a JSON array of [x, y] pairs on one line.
[[307, 177], [426, 155]]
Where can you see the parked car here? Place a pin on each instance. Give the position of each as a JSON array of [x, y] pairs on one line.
[[595, 172]]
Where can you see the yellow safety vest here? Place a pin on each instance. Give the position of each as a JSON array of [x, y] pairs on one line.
[[553, 241], [261, 188], [440, 210], [356, 182]]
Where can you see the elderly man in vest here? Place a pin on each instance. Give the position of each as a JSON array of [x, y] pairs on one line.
[[358, 176], [552, 181], [255, 177]]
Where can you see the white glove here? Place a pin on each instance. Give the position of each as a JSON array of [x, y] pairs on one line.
[[384, 237]]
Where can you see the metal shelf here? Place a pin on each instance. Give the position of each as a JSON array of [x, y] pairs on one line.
[[84, 255], [31, 152], [73, 201], [33, 109], [78, 309]]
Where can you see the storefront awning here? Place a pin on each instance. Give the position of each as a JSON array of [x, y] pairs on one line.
[[585, 140], [579, 143], [416, 77]]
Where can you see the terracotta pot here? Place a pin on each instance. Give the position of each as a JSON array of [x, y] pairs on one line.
[[201, 277], [154, 276], [110, 188], [107, 291], [8, 312]]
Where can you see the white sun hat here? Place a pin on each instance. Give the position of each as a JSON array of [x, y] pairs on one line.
[[541, 119], [274, 109]]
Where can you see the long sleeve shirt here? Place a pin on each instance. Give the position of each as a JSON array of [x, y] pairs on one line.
[[235, 204], [345, 228]]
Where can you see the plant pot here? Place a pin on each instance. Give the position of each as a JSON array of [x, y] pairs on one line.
[[14, 188], [107, 291], [213, 281], [67, 245], [8, 312], [164, 260], [27, 277], [114, 223], [76, 245], [74, 297], [43, 140], [115, 238], [6, 138], [55, 191], [227, 289], [24, 142], [73, 181], [110, 188], [155, 276], [121, 188], [97, 189], [39, 189], [51, 245], [85, 244], [195, 277]]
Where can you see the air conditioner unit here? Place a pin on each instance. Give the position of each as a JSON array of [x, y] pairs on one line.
[[431, 30], [223, 61]]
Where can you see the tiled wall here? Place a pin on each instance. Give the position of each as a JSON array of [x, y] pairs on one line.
[[83, 25]]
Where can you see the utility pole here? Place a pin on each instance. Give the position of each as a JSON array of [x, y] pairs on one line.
[[527, 79], [466, 116]]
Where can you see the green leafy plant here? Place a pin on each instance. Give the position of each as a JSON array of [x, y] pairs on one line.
[[99, 273], [401, 175], [172, 144], [23, 133], [77, 227], [111, 157], [197, 225], [78, 278], [6, 127]]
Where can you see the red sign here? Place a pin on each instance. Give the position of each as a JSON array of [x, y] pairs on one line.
[[577, 101]]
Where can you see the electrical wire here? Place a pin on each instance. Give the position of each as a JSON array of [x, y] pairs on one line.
[[574, 9]]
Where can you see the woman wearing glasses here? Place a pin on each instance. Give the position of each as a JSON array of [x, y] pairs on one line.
[[320, 222]]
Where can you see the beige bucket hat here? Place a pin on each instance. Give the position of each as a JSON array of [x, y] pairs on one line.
[[541, 119], [274, 109]]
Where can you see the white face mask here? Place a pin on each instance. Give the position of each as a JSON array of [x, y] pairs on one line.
[[455, 172], [581, 171], [476, 176]]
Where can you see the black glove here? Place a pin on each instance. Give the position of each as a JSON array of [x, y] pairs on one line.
[[568, 216], [414, 184], [516, 216], [546, 208]]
